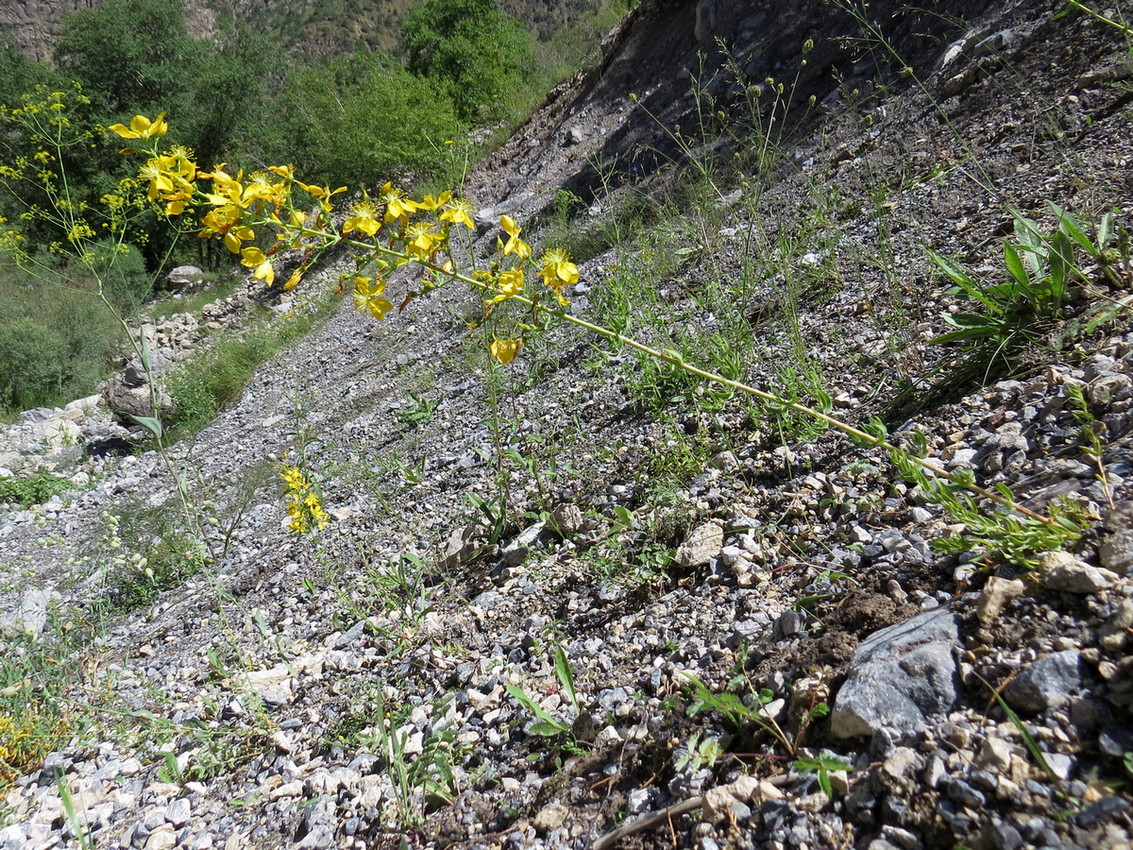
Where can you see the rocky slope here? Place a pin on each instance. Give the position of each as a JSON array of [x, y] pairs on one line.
[[380, 682]]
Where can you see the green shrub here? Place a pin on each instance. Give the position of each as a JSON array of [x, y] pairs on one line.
[[475, 51], [55, 343], [33, 489], [364, 119], [201, 388]]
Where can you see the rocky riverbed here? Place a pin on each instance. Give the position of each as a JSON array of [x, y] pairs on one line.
[[695, 624]]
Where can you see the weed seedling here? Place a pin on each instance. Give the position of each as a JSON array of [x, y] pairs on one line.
[[822, 765]]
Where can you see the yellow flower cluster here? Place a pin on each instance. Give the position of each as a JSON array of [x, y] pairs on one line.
[[413, 231], [22, 744], [304, 507]]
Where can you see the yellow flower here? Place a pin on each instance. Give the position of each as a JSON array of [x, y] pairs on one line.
[[397, 203], [159, 181], [431, 204], [459, 211], [505, 350], [367, 296], [422, 241], [322, 194], [142, 128], [233, 236], [293, 281], [365, 218], [514, 245], [510, 283], [304, 506], [558, 271], [261, 188], [255, 259]]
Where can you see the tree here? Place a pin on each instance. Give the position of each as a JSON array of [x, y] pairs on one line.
[[132, 55], [472, 48], [365, 119]]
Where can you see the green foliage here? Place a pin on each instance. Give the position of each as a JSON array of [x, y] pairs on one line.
[[419, 413], [546, 726], [131, 55], [364, 119], [146, 551], [34, 489], [822, 764], [1003, 534], [32, 719], [475, 51], [1041, 274], [204, 385], [54, 346], [700, 753]]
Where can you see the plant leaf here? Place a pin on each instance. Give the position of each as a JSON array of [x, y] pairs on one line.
[[150, 424], [143, 352], [565, 674]]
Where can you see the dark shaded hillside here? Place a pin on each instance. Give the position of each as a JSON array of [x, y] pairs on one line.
[[655, 56]]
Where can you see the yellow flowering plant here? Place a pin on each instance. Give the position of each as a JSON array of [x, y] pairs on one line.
[[304, 501], [395, 230]]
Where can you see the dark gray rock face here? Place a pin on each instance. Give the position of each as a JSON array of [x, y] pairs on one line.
[[899, 676]]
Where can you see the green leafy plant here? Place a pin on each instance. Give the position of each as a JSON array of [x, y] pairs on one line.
[[822, 765], [420, 783], [1013, 536], [546, 726], [699, 753], [428, 243], [1041, 274], [1092, 430], [739, 713], [420, 412], [33, 489]]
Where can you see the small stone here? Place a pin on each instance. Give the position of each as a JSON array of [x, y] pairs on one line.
[[725, 461], [178, 812], [997, 592], [899, 676], [901, 762], [162, 838], [1116, 550], [1062, 571], [1106, 809], [995, 755], [1060, 764], [551, 817], [566, 520], [1047, 683], [720, 804], [702, 545]]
